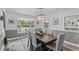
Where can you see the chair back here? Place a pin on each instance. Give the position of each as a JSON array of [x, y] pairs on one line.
[[33, 38], [59, 42], [49, 31], [44, 30], [29, 40], [33, 30]]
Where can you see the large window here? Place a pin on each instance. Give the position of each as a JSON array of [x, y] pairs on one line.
[[46, 24], [24, 24]]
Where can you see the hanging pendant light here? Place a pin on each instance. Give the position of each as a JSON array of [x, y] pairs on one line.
[[40, 16]]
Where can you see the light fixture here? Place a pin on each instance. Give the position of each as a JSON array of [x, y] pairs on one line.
[[40, 16]]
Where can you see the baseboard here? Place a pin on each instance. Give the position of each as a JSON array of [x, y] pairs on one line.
[[71, 46], [16, 38]]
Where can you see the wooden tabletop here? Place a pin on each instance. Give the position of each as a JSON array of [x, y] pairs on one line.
[[46, 38]]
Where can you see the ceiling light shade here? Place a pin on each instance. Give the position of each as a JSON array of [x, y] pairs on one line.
[[40, 16]]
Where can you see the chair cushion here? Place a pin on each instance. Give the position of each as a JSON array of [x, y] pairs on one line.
[[52, 45]]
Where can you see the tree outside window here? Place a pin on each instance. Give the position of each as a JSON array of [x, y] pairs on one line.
[[24, 24], [46, 24]]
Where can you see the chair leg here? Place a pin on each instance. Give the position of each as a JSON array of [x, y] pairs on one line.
[[36, 49], [31, 47], [61, 49]]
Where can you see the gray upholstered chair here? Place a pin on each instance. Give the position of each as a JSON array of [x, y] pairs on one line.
[[50, 31], [29, 41], [58, 44], [34, 41]]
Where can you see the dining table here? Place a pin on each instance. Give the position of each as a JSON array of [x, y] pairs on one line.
[[45, 39]]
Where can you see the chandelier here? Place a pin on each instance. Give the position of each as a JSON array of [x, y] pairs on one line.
[[40, 16]]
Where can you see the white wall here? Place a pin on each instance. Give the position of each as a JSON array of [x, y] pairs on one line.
[[72, 36], [14, 16], [61, 14]]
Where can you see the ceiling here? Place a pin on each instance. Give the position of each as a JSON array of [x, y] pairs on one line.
[[35, 11], [30, 11]]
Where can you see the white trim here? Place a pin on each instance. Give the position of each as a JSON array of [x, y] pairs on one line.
[[69, 31], [71, 46], [16, 38]]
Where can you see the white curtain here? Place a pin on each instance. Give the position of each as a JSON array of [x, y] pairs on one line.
[[2, 34]]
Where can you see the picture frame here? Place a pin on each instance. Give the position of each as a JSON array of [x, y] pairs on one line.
[[11, 21], [55, 21]]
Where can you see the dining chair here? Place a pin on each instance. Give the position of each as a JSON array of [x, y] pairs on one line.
[[49, 31], [58, 44], [44, 30], [29, 40], [34, 41]]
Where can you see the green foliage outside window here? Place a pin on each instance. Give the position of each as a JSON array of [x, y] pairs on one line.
[[32, 23], [24, 24], [46, 24]]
